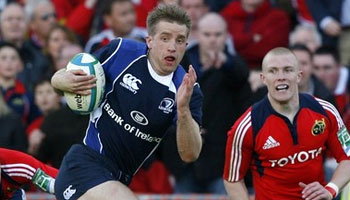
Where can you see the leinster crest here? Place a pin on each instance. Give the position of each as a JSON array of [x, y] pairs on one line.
[[318, 127]]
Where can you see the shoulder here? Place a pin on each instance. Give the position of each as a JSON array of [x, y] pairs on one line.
[[244, 122], [121, 46]]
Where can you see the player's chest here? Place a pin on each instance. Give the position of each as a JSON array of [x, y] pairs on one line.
[[302, 139], [141, 99]]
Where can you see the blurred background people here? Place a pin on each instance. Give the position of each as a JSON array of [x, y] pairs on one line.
[[12, 133], [13, 27], [120, 18], [335, 76], [47, 101], [15, 94], [57, 37], [306, 35], [42, 17]]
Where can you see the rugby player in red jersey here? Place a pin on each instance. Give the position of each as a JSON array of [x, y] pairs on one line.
[[283, 138], [19, 169]]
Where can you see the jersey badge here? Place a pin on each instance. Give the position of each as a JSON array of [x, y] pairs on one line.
[[318, 127], [166, 105]]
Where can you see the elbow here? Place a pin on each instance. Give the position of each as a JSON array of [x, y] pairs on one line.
[[190, 156]]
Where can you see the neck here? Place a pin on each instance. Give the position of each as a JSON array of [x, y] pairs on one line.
[[7, 83], [154, 66], [288, 109]]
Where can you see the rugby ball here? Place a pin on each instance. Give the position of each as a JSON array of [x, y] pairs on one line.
[[82, 104]]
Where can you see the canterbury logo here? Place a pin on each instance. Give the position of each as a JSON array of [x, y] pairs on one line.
[[130, 82], [68, 193]]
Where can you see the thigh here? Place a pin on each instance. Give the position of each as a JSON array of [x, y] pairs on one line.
[[109, 190], [82, 170]]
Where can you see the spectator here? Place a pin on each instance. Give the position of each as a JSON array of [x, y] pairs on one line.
[[65, 54], [195, 9], [223, 80], [335, 76], [14, 92], [48, 101], [58, 36], [256, 27], [12, 131], [43, 17], [305, 35], [13, 25], [308, 82], [120, 18]]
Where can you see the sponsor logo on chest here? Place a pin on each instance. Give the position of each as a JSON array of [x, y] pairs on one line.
[[131, 83], [298, 157]]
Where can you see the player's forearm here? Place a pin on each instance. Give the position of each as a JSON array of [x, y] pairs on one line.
[[341, 175], [57, 79], [189, 141], [236, 190]]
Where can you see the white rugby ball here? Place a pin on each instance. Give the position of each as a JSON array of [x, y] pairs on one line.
[[82, 104]]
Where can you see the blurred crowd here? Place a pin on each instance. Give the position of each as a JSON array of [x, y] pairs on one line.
[[227, 43]]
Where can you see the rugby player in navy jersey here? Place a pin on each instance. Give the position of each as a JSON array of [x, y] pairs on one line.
[[146, 91], [283, 138]]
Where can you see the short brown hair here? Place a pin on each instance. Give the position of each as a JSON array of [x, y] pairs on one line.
[[168, 13]]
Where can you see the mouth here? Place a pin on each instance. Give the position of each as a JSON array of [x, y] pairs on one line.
[[282, 87], [170, 59]]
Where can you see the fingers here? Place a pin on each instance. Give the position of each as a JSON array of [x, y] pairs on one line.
[[313, 191], [81, 83]]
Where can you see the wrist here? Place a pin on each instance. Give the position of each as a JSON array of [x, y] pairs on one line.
[[332, 189]]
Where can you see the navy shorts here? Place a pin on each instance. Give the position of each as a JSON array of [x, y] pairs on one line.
[[83, 168]]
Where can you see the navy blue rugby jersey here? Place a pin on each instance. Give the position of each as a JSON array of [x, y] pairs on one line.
[[138, 107]]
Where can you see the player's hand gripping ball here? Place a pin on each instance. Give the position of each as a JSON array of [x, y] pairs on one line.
[[82, 104]]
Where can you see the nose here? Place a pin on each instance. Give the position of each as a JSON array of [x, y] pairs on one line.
[[172, 46], [280, 75]]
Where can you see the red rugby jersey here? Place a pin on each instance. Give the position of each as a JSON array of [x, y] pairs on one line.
[[280, 153], [19, 168]]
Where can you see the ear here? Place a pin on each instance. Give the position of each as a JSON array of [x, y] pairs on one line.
[[149, 41], [262, 78], [299, 76]]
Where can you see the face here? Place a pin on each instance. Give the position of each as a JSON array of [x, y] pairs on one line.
[[57, 40], [327, 70], [305, 65], [43, 20], [13, 23], [10, 63], [46, 98], [195, 10], [212, 35], [66, 54], [167, 46], [306, 38], [251, 5], [281, 75], [122, 18]]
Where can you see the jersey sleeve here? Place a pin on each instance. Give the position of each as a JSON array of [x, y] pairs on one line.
[[338, 140], [24, 164], [239, 149], [107, 51]]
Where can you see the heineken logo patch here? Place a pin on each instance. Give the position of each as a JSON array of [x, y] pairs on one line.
[[344, 139]]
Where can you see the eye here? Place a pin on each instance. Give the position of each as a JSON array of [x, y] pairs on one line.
[[180, 41], [164, 39]]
